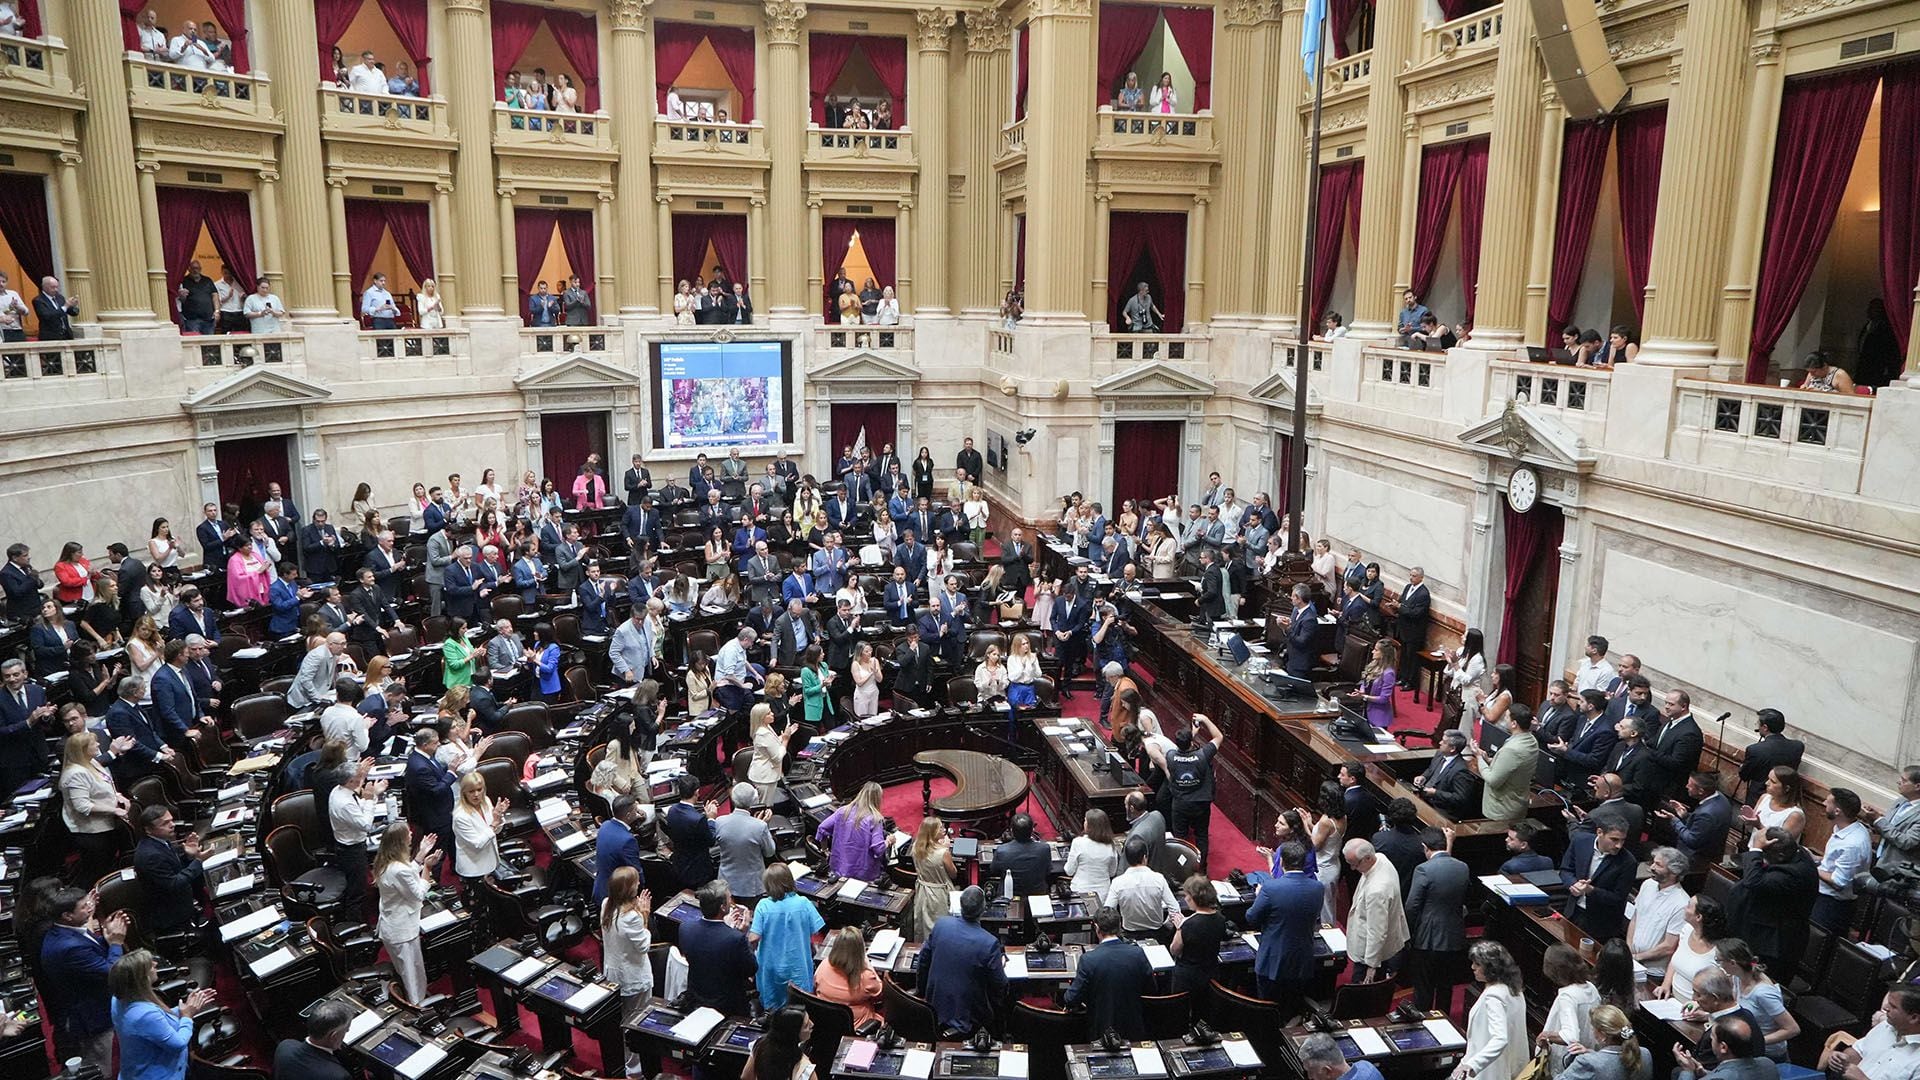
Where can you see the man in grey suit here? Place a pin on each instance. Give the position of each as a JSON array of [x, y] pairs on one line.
[[314, 684], [793, 632], [1736, 1041], [439, 554], [1437, 918], [567, 568], [506, 650], [1148, 824]]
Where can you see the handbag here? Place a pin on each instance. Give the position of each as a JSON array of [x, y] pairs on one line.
[[1537, 1069], [1452, 709]]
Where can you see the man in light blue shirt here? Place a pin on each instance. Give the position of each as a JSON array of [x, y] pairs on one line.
[[377, 304], [630, 651], [1849, 853], [543, 308], [733, 676]]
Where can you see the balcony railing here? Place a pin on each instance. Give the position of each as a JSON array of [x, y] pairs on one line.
[[27, 363], [1013, 137], [1795, 436], [859, 338], [1480, 30], [242, 350], [569, 340], [1115, 128], [1350, 73], [544, 129], [32, 62], [412, 344], [154, 84], [1133, 348], [693, 137], [841, 144], [1001, 343], [1577, 397], [351, 110]]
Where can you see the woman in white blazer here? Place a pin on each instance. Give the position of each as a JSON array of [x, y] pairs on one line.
[[90, 805], [1497, 1045], [476, 830], [404, 881]]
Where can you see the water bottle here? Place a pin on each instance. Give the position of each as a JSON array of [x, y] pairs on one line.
[[1006, 886]]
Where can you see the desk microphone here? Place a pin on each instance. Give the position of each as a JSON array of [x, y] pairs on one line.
[[1720, 752]]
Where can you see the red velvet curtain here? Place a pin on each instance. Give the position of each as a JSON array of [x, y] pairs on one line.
[[1533, 544], [1473, 206], [532, 236], [578, 36], [232, 17], [1583, 167], [180, 221], [827, 56], [735, 49], [576, 239], [1124, 31], [1167, 247], [247, 466], [513, 28], [1126, 241], [130, 29], [1439, 179], [412, 235], [229, 219], [1821, 121], [888, 55], [409, 21], [673, 45], [691, 233], [1146, 460], [876, 238], [1339, 192], [331, 18], [565, 441], [1340, 15], [30, 17], [835, 234], [1899, 196], [1023, 56], [730, 244], [1193, 32], [366, 223], [1640, 150], [25, 223], [876, 419], [1454, 9]]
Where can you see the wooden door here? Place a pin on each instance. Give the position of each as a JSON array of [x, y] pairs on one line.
[[1533, 617]]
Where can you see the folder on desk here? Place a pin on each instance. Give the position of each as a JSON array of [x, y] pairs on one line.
[[1444, 1031], [1369, 1041]]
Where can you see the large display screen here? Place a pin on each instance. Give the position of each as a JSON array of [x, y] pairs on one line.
[[721, 394]]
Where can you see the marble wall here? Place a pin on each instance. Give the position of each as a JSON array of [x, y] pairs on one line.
[[98, 499], [391, 458], [1400, 519]]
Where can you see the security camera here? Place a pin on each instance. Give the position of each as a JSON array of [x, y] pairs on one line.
[[1024, 437]]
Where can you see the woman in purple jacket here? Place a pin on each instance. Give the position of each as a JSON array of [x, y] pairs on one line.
[[1377, 682], [857, 837]]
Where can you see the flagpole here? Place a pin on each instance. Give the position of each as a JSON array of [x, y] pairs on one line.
[[1297, 447]]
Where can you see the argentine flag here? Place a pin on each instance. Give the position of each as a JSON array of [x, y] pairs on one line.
[[1310, 36]]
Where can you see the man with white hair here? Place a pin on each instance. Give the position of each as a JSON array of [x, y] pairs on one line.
[[386, 564], [745, 844], [733, 676], [507, 650], [1377, 922], [630, 652], [314, 684], [461, 585], [1321, 1059]]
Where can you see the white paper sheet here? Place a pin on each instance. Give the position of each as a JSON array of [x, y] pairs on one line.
[[1335, 938], [437, 920], [362, 1024], [1157, 955], [697, 1024], [1664, 1008], [1242, 1053], [1017, 965], [1148, 1062], [1369, 1041], [215, 862], [1227, 893], [274, 961], [1013, 1063], [850, 888], [587, 997], [1444, 1032], [917, 1064], [249, 924], [1041, 905], [520, 973], [233, 886], [422, 1061]]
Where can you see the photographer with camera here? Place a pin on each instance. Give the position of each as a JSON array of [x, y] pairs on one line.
[[1772, 903]]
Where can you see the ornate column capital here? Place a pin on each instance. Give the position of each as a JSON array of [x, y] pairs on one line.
[[757, 201], [475, 6], [1202, 198], [663, 198], [629, 14], [1250, 12], [269, 176], [1046, 9], [443, 187], [815, 202], [1765, 49], [1103, 196], [604, 195], [906, 202], [506, 191], [934, 28], [337, 182], [783, 21], [988, 31], [70, 160], [148, 167]]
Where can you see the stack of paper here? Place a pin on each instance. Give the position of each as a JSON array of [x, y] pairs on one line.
[[1514, 892]]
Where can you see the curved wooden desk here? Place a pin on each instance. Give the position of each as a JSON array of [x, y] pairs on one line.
[[986, 787]]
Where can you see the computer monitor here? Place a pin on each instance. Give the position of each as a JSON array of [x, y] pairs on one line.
[[1237, 648]]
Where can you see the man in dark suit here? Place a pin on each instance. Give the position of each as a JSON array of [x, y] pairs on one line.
[[218, 539], [1363, 810], [859, 487], [962, 968], [912, 554], [1436, 918], [1714, 998], [954, 613], [74, 962], [1302, 627], [720, 962], [1448, 783], [1410, 625], [1355, 614], [190, 616], [460, 588], [1701, 831], [55, 311], [1634, 763], [1608, 802], [132, 576], [319, 549], [428, 786], [614, 846], [1677, 745], [1741, 1053], [125, 719], [841, 637], [899, 597], [594, 596], [970, 460], [1016, 559], [369, 613], [1073, 629], [1287, 914], [637, 482], [1635, 699], [1773, 751], [388, 566], [1587, 741], [1027, 859], [173, 701], [1557, 716], [923, 521], [1599, 873], [1212, 602], [1112, 978], [913, 669], [281, 529], [793, 632], [689, 828], [640, 525], [489, 713], [23, 709], [21, 583], [1773, 900], [171, 879]]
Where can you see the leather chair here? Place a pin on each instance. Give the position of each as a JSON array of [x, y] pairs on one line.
[[462, 1023], [1046, 1032], [532, 719], [909, 1014], [832, 1021], [1179, 860], [506, 605], [1845, 999], [566, 630], [301, 811], [1166, 1014], [1358, 1001], [433, 630], [978, 644], [402, 639], [1046, 692], [503, 782], [507, 913], [579, 685], [202, 1069], [340, 960], [703, 641], [278, 687], [961, 690], [1258, 1021], [305, 885], [516, 746]]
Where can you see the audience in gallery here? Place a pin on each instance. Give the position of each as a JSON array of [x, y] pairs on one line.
[[1644, 820]]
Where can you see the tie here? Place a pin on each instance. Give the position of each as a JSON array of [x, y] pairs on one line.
[[21, 697]]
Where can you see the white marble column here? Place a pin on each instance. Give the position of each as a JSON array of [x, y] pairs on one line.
[[1485, 584], [1564, 631]]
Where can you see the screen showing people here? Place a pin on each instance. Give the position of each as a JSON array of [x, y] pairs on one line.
[[720, 394]]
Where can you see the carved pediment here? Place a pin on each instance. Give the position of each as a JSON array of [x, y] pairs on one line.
[[1276, 392], [1155, 378], [864, 366], [1520, 434], [256, 388], [576, 372]]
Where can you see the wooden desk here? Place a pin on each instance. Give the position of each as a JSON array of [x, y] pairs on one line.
[[1412, 1052], [987, 788]]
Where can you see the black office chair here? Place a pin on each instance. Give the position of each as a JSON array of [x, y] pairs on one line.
[[306, 887], [1166, 1014], [1046, 1032], [832, 1021], [1259, 1021], [1358, 1001], [909, 1014], [1843, 1001]]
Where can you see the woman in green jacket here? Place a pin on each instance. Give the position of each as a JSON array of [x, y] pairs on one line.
[[814, 678], [456, 657]]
